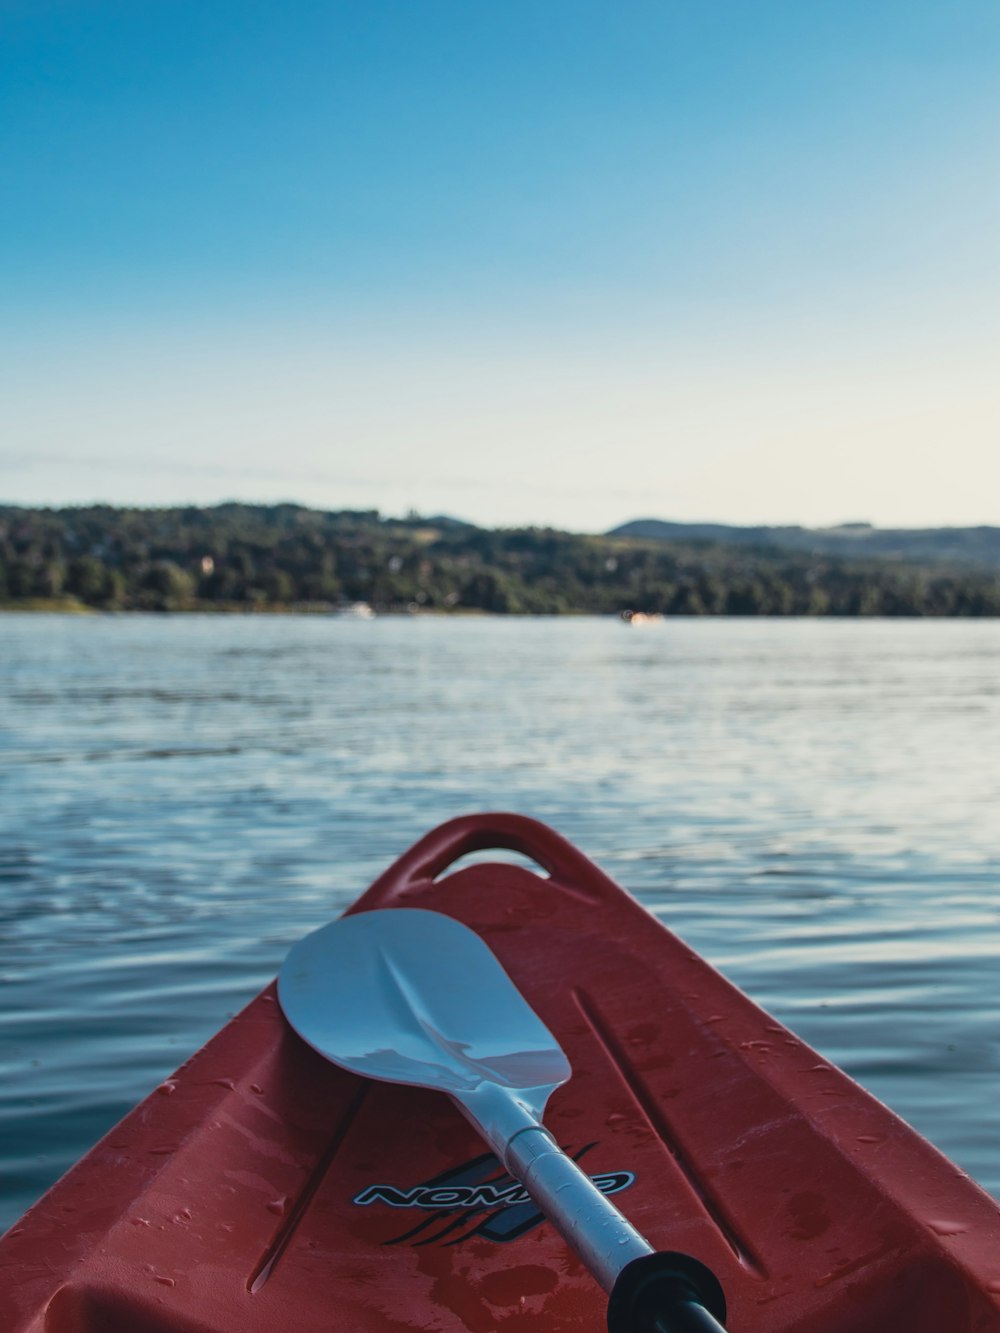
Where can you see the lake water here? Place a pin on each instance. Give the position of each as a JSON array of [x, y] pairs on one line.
[[814, 805]]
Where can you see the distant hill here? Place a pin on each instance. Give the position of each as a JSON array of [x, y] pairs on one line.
[[969, 547]]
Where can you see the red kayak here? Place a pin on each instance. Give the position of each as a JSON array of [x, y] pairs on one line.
[[263, 1190]]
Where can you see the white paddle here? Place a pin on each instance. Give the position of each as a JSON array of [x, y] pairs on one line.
[[410, 996]]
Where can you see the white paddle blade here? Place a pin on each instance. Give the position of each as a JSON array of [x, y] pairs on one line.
[[411, 996]]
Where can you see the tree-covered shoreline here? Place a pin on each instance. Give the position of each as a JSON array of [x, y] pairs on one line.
[[235, 557]]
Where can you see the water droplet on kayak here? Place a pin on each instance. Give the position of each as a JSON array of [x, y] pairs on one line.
[[164, 1281], [278, 1206], [162, 1152], [869, 1138], [642, 1034], [168, 1088], [945, 1228], [616, 1118], [224, 1083], [139, 1221], [255, 1087]]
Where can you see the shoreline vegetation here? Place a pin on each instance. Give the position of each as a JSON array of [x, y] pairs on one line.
[[288, 558]]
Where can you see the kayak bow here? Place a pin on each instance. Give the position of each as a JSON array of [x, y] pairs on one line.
[[265, 1189]]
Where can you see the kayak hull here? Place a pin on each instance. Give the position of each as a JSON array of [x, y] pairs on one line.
[[261, 1188]]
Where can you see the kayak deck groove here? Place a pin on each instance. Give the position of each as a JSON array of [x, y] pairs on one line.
[[659, 1123], [261, 1188], [295, 1208]]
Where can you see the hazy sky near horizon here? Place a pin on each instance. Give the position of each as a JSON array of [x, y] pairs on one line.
[[545, 261]]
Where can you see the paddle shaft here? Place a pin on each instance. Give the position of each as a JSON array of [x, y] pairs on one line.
[[590, 1224], [594, 1228], [587, 1220], [667, 1298]]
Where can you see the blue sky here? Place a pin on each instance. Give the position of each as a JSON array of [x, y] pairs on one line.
[[527, 262]]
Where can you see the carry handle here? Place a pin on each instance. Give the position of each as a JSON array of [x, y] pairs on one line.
[[433, 854]]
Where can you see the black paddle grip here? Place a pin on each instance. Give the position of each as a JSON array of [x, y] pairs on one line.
[[666, 1293]]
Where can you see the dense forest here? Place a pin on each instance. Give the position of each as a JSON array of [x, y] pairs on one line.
[[287, 557]]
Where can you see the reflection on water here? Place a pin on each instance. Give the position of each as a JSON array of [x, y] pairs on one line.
[[813, 805]]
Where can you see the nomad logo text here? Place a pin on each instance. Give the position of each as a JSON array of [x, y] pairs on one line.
[[503, 1194]]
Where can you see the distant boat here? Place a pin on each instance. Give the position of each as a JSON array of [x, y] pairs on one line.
[[355, 611], [639, 618]]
